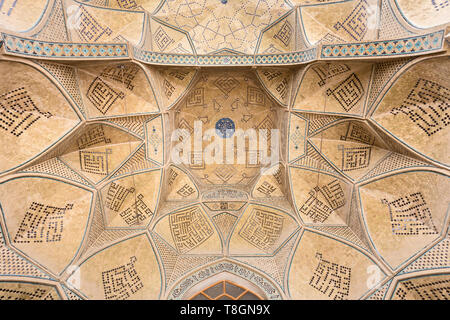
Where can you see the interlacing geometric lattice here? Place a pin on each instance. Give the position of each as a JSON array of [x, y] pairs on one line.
[[351, 99]]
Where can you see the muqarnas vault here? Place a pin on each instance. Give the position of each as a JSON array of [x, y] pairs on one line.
[[93, 206]]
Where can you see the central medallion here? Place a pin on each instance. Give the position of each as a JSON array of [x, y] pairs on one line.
[[225, 128]]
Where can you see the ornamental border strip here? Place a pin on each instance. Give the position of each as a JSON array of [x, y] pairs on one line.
[[58, 50], [410, 46], [419, 44]]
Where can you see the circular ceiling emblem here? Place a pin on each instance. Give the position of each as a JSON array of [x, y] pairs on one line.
[[225, 128]]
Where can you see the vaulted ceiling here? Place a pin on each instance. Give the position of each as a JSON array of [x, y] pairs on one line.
[[94, 206]]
